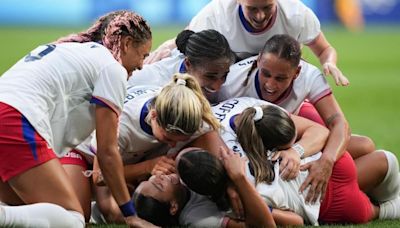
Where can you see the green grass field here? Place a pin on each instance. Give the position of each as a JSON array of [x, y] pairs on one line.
[[371, 60]]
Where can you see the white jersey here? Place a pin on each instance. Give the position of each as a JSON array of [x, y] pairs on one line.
[[135, 138], [279, 194], [55, 85], [292, 17], [200, 211], [159, 73], [310, 84]]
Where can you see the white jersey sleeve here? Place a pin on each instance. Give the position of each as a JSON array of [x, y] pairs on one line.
[[159, 73], [200, 211], [310, 26], [208, 17], [311, 84], [107, 87]]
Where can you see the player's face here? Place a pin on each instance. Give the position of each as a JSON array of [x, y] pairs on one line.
[[275, 76], [211, 75], [166, 137], [258, 12], [135, 53], [161, 187]]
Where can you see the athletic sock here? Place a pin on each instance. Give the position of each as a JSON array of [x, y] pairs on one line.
[[390, 209], [40, 215]]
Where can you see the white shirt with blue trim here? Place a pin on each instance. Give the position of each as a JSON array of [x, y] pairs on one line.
[[159, 73], [310, 84], [292, 18], [53, 85]]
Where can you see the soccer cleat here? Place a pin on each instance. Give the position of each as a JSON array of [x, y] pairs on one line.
[[390, 209]]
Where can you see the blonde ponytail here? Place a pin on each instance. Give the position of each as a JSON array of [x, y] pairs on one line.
[[181, 106]]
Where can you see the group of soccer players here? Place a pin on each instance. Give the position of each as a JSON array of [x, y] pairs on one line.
[[84, 120]]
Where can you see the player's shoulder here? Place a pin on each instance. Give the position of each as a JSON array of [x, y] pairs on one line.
[[222, 8], [292, 7], [309, 70]]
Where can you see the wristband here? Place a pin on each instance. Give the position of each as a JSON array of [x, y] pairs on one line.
[[128, 209], [299, 149]]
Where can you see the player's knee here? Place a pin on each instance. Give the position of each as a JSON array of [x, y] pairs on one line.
[[367, 144], [360, 146]]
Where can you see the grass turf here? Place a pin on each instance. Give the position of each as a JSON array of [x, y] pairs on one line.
[[371, 60]]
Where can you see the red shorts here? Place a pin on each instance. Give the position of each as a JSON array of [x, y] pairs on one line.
[[308, 111], [344, 202], [74, 157], [21, 147]]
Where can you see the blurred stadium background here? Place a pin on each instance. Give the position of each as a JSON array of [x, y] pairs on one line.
[[369, 58]]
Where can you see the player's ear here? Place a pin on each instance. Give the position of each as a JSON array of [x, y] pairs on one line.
[[298, 70], [126, 42], [187, 63]]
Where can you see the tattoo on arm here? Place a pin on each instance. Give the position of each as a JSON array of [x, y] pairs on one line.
[[331, 118]]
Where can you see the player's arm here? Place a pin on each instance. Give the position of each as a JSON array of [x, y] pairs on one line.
[[327, 57], [163, 51], [310, 135], [256, 211], [334, 119], [108, 156], [321, 169], [287, 218]]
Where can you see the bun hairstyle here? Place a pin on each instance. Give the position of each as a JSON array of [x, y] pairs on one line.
[[203, 47], [182, 40]]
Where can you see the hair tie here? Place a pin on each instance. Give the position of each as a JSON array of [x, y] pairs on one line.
[[181, 81], [259, 113]]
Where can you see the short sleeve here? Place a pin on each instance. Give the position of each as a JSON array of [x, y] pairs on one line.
[[311, 27], [319, 87], [110, 87], [205, 19], [201, 212]]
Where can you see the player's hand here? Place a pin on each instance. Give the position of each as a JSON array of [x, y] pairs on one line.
[[289, 166], [234, 164], [319, 172], [332, 69], [235, 201], [157, 55], [162, 165], [134, 221]]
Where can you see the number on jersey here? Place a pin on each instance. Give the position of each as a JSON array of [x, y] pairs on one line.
[[40, 52]]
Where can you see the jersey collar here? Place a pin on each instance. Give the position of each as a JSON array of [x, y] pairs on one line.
[[143, 114], [182, 68], [247, 26]]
